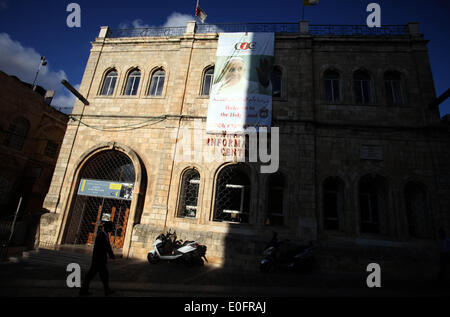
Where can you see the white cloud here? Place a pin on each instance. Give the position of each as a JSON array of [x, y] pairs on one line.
[[178, 19], [23, 62], [173, 20]]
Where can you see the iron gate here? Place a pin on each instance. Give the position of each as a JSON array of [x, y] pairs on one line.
[[89, 211]]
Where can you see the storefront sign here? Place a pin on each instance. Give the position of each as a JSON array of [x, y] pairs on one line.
[[105, 189]]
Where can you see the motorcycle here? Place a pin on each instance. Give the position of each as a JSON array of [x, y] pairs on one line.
[[167, 247], [282, 255]]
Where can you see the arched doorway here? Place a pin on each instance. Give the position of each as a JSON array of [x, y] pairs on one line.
[[104, 192]]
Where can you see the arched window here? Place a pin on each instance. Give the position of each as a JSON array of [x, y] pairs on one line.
[[416, 210], [361, 87], [372, 204], [109, 83], [275, 200], [132, 83], [392, 81], [157, 83], [207, 81], [17, 133], [189, 194], [232, 199], [332, 86], [333, 204], [277, 77]]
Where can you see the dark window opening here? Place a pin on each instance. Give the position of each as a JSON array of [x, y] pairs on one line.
[[277, 77], [133, 83], [157, 83], [232, 200], [207, 81], [332, 86], [416, 207], [372, 203], [333, 203], [51, 149], [189, 194], [109, 84], [361, 86], [17, 133], [275, 200], [393, 88]]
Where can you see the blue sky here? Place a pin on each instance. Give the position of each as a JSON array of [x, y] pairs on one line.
[[29, 29]]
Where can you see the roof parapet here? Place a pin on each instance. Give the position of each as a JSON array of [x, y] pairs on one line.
[[301, 27]]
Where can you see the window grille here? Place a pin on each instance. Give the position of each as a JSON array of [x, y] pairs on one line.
[[189, 194], [232, 199], [88, 212]]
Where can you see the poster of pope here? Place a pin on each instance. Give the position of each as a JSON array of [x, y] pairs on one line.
[[241, 95]]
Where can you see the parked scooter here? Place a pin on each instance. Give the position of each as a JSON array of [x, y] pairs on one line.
[[282, 255], [167, 247]]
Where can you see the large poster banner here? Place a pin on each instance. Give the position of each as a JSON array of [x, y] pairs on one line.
[[241, 94]]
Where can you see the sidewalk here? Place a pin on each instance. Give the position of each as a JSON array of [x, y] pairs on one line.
[[46, 276]]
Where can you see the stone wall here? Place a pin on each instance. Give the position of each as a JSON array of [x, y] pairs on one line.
[[317, 139]]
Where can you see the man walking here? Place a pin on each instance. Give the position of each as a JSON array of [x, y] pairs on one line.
[[102, 248]]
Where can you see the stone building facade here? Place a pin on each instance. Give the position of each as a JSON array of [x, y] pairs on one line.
[[362, 165], [31, 134]]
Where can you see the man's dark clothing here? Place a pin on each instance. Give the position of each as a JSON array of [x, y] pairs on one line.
[[102, 248]]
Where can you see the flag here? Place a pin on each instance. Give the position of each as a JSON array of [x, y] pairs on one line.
[[200, 13], [310, 2]]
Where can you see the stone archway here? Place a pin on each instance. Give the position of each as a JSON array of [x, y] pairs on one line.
[[123, 167], [104, 193]]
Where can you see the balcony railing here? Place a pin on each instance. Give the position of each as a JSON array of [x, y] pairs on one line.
[[344, 30], [147, 32], [248, 27], [316, 30]]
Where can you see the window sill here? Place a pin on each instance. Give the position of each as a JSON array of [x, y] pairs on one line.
[[203, 97], [231, 224], [153, 97], [105, 97], [190, 219], [127, 97]]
